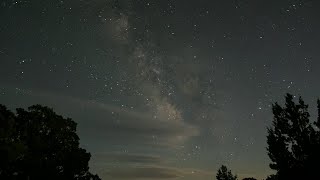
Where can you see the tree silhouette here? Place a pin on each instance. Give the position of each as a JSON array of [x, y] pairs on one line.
[[39, 144], [293, 141], [225, 174], [251, 178], [272, 177]]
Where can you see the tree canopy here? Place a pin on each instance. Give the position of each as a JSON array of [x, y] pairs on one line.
[[250, 178], [225, 174], [294, 141], [39, 144]]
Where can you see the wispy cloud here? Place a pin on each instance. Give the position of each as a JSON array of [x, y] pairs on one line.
[[144, 173], [156, 172], [161, 124], [129, 158]]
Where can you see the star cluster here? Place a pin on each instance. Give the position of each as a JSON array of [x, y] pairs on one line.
[[161, 89]]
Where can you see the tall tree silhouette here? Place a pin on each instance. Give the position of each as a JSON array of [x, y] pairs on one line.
[[293, 141], [39, 144], [225, 174]]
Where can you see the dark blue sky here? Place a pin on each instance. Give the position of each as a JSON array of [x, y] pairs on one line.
[[162, 89]]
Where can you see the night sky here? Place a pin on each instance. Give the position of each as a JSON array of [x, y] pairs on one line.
[[167, 89]]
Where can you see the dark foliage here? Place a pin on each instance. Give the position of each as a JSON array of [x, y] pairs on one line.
[[39, 144], [272, 177], [225, 174], [294, 141], [251, 178]]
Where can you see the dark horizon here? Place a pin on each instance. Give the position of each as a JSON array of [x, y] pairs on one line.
[[160, 90]]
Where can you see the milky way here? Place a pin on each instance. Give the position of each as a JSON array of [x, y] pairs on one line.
[[162, 89]]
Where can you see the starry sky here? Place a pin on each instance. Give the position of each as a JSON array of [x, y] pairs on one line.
[[166, 89]]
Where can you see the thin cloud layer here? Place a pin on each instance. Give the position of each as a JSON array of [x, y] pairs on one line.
[[144, 173], [155, 172], [128, 158], [159, 125]]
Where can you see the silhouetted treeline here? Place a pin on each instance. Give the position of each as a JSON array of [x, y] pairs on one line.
[[225, 174], [293, 143], [39, 144]]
